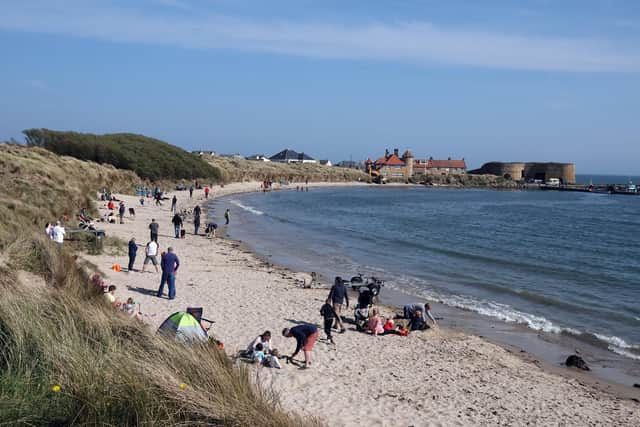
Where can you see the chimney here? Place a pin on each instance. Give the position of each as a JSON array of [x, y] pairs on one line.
[[386, 152], [395, 152], [449, 158]]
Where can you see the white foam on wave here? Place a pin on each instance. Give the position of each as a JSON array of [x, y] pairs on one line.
[[624, 353], [245, 207], [616, 342]]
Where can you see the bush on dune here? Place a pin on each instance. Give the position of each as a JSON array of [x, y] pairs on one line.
[[149, 158], [68, 358]]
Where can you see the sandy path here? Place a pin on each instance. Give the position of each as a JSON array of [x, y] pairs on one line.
[[436, 377]]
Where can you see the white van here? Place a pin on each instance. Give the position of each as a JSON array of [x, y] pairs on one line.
[[553, 182]]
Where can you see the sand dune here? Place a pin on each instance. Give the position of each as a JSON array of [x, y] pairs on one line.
[[436, 377]]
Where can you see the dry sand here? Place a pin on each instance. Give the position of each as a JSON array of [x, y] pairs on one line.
[[435, 377]]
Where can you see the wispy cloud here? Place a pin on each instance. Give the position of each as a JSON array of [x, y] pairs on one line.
[[37, 84], [413, 42]]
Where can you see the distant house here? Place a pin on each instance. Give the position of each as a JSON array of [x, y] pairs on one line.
[[258, 158], [291, 156], [439, 167], [203, 153], [232, 156], [392, 165], [325, 162]]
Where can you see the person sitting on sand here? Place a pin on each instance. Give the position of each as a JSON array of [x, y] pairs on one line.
[[264, 340], [257, 356], [374, 324], [410, 309], [306, 336], [110, 297]]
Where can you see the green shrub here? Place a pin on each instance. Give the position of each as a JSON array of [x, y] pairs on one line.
[[149, 158]]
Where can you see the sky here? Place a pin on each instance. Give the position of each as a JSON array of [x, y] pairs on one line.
[[503, 80]]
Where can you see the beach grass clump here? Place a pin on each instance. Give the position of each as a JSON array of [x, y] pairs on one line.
[[37, 186], [67, 357]]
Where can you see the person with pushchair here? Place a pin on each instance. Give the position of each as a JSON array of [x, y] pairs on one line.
[[338, 296]]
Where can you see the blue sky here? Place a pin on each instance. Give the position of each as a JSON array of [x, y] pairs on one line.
[[538, 80]]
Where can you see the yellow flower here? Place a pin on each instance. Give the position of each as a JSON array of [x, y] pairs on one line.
[[183, 386], [55, 388]]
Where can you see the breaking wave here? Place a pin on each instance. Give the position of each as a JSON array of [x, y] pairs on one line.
[[245, 207]]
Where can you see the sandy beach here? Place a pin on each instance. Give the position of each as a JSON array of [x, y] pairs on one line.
[[435, 377]]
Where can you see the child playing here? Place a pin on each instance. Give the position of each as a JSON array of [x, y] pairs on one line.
[[329, 315], [258, 354], [374, 325]]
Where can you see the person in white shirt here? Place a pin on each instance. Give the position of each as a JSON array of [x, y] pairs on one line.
[[58, 233], [151, 255]]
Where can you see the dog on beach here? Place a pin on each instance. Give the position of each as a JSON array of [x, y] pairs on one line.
[[577, 362], [132, 213]]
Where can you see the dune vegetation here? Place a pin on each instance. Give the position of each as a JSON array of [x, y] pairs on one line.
[[68, 358], [149, 158], [239, 170], [37, 186]]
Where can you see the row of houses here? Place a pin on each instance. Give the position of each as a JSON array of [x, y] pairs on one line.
[[394, 165], [285, 156], [391, 165]]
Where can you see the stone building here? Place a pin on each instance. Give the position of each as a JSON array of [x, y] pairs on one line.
[[565, 172], [439, 167], [392, 166]]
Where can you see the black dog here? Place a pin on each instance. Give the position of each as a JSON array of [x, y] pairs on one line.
[[132, 212], [577, 361]]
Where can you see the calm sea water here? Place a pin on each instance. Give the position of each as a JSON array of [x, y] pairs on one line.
[[556, 262], [606, 179]]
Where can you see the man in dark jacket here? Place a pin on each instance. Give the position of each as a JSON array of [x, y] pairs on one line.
[[169, 264], [153, 230], [338, 295], [196, 219], [177, 223], [305, 336], [133, 250], [121, 210]]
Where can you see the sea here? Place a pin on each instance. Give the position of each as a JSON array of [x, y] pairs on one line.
[[560, 267]]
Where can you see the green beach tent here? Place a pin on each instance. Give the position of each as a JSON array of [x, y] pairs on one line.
[[183, 327]]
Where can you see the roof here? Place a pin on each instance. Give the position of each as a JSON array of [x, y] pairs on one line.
[[288, 154], [443, 164], [391, 160]]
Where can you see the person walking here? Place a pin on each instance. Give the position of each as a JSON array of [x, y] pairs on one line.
[[153, 229], [169, 264], [174, 203], [196, 219], [227, 216], [206, 192], [305, 336], [133, 250], [191, 192], [121, 210], [177, 224], [338, 295], [329, 316]]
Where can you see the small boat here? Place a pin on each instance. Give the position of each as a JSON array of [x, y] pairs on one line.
[[631, 189]]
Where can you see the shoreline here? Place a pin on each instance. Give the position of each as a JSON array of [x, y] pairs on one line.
[[246, 274], [549, 346]]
